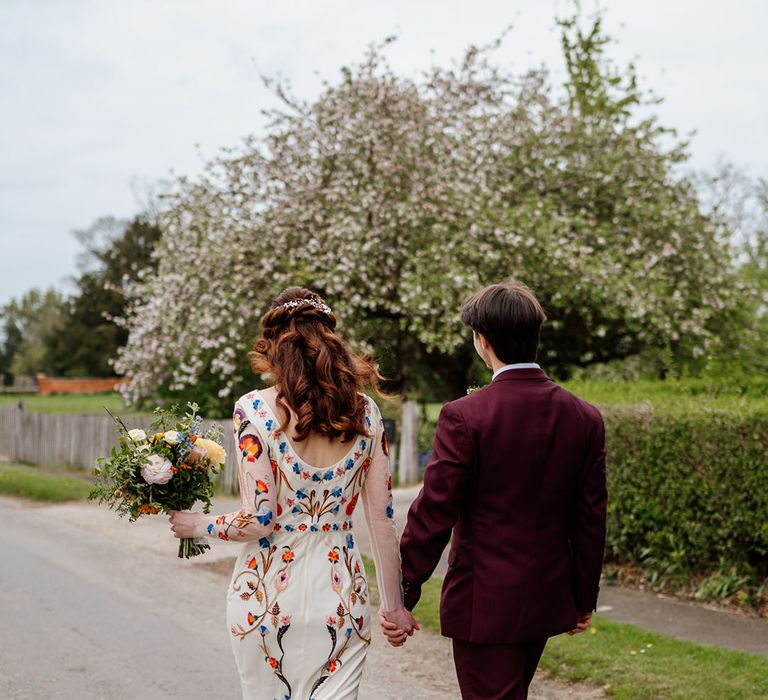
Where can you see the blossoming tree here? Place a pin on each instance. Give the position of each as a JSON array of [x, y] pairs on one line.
[[395, 198]]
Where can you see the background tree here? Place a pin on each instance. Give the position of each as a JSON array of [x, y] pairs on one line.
[[27, 323], [10, 340], [396, 198], [115, 254], [739, 206]]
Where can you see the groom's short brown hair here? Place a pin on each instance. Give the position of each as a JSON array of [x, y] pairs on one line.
[[509, 315]]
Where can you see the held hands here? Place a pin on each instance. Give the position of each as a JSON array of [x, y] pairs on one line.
[[185, 524], [583, 621], [397, 626]]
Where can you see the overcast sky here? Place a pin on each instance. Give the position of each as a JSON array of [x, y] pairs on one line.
[[99, 98]]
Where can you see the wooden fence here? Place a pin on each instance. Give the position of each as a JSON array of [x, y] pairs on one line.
[[78, 441]]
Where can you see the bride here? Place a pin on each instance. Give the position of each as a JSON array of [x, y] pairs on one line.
[[310, 447]]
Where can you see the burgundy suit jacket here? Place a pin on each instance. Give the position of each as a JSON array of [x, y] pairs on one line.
[[518, 475]]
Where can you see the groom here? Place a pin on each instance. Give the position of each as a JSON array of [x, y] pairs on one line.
[[518, 475]]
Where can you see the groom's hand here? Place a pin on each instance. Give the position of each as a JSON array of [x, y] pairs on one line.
[[583, 621], [397, 626]]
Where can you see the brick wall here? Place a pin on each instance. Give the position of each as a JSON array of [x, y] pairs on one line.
[[80, 385]]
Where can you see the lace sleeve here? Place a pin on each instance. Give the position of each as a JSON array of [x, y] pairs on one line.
[[379, 515], [255, 519]]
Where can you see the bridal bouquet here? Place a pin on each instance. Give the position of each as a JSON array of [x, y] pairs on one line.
[[171, 468]]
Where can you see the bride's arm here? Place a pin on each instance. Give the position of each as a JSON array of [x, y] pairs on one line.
[[379, 515], [256, 517]]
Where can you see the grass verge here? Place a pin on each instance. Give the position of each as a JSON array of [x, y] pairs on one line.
[[636, 664], [69, 403], [31, 482], [633, 663]]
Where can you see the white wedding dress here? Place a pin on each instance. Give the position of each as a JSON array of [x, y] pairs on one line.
[[298, 602]]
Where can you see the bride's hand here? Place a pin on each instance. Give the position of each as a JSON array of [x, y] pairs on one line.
[[184, 524], [397, 626]]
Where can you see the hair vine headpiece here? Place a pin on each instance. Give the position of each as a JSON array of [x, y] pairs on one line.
[[321, 305]]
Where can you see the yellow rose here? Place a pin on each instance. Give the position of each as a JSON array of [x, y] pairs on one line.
[[215, 452]]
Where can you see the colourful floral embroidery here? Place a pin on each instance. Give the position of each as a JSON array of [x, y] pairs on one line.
[[250, 447], [307, 500], [268, 613], [238, 417], [309, 503], [239, 521], [351, 505], [344, 619], [264, 514]]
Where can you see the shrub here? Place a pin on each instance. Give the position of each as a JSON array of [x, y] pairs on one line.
[[688, 488]]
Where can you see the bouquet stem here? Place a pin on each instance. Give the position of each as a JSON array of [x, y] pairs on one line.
[[192, 547]]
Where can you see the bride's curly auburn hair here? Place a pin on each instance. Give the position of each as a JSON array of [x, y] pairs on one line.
[[313, 369]]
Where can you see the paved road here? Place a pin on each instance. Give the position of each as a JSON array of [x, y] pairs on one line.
[[93, 607], [84, 615]]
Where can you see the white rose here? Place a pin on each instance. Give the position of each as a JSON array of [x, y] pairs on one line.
[[137, 435], [157, 470], [172, 437]]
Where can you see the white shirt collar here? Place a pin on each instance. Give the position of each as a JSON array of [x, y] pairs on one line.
[[516, 365]]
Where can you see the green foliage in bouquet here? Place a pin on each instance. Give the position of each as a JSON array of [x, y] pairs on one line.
[[171, 468]]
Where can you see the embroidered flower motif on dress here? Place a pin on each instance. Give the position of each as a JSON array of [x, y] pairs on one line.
[[238, 417], [250, 446]]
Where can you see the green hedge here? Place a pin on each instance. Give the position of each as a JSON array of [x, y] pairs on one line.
[[688, 488]]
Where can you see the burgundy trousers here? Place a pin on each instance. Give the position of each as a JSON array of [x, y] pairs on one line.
[[496, 671]]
